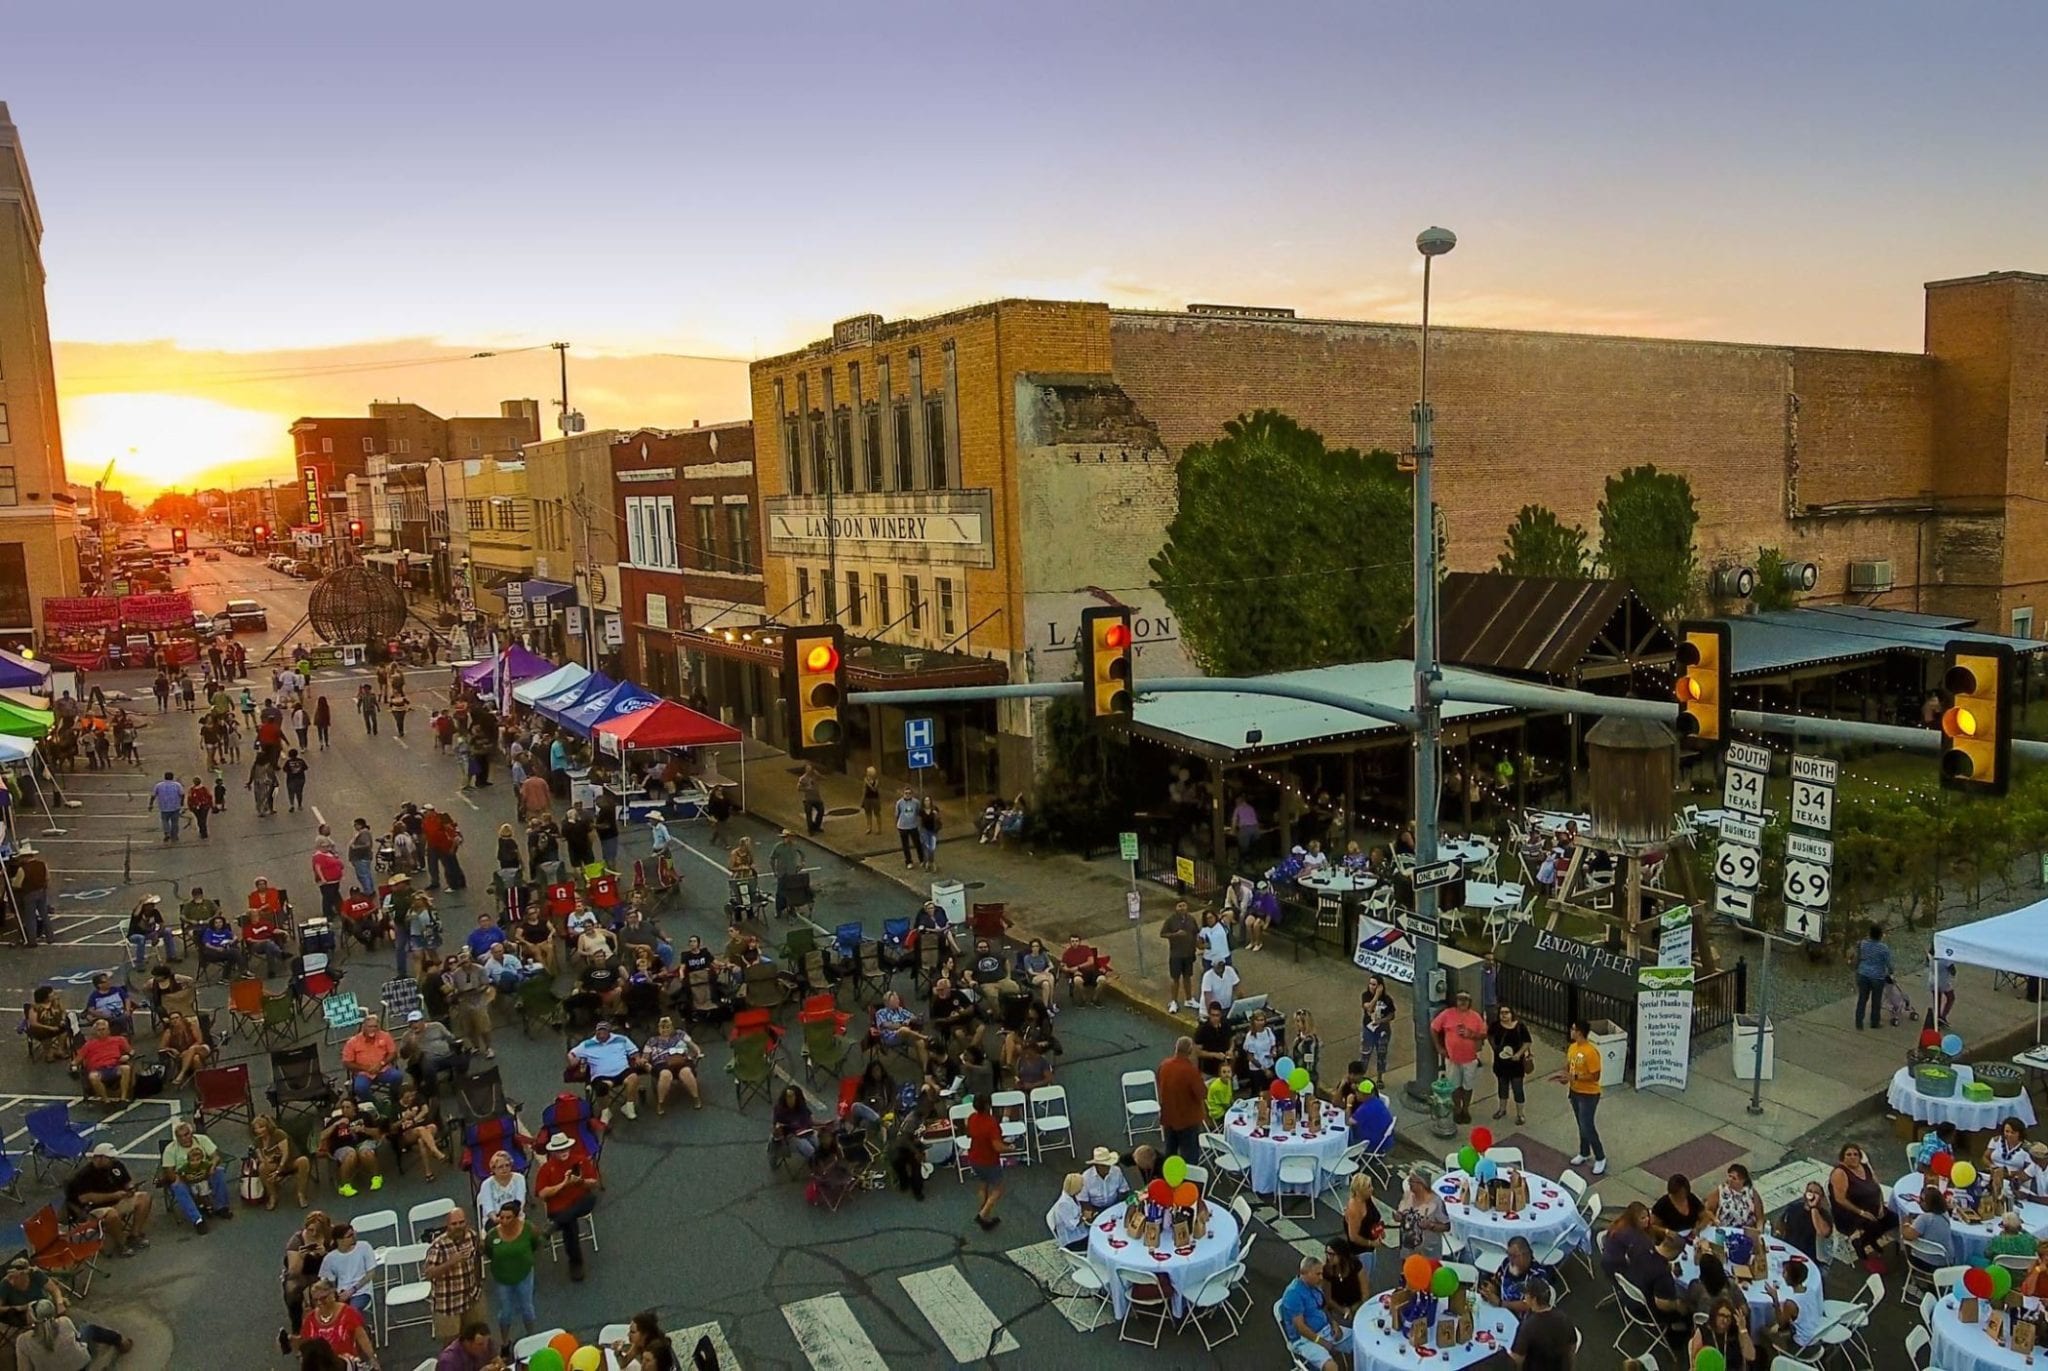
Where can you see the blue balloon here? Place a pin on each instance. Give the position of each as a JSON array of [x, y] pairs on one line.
[[1283, 1068], [1488, 1170], [1953, 1044]]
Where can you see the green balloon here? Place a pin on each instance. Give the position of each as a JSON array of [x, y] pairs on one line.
[[1299, 1080], [1710, 1359], [1468, 1158], [546, 1359], [1175, 1170], [2001, 1282], [1444, 1283]]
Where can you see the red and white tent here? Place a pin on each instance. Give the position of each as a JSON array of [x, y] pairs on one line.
[[668, 724]]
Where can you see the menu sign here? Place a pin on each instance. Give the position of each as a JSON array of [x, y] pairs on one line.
[[1664, 1026]]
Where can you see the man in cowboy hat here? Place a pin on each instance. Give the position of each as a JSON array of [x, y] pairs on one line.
[[1103, 1185], [30, 878], [564, 1185]]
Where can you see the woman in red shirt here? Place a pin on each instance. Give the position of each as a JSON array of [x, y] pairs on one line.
[[334, 1321], [985, 1149]]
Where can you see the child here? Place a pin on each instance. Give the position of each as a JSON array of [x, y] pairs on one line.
[[220, 792], [1895, 1002]]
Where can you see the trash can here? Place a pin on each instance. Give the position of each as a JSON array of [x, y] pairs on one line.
[[1745, 1048], [951, 897], [1612, 1040]]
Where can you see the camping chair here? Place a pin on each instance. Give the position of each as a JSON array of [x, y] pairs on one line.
[[795, 944], [845, 950], [280, 1023], [400, 996], [223, 1094], [481, 1094], [868, 969], [931, 953], [825, 1047], [313, 980], [487, 1137], [344, 1015], [298, 1082], [702, 1003], [10, 1176], [756, 1023], [53, 1139], [69, 1253], [537, 1003], [763, 987], [245, 1008], [895, 949], [570, 1115], [750, 1068], [744, 899]]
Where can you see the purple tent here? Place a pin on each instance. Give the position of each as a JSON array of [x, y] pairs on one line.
[[520, 665]]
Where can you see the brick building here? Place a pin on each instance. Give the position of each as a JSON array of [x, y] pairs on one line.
[[1013, 462]]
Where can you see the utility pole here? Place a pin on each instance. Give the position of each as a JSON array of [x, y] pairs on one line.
[[1431, 243], [565, 422]]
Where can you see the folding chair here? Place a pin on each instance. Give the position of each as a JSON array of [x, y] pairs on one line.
[[407, 1299], [750, 1068], [1088, 1281], [1141, 1109], [63, 1251], [825, 1049], [958, 1115], [533, 1343], [298, 1083], [1224, 1164], [400, 996], [1145, 1299], [487, 1137], [313, 980], [1208, 1300], [344, 1015], [762, 987], [1298, 1176], [280, 1022], [1052, 1121], [846, 944], [54, 1140], [1635, 1318], [869, 971], [930, 953], [538, 1004], [570, 1116], [796, 943], [420, 1225], [1011, 1111], [223, 1094], [480, 1094], [894, 951], [10, 1176], [245, 1007]]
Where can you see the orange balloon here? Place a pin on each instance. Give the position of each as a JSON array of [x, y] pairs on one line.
[[1187, 1194], [1415, 1272], [565, 1344]]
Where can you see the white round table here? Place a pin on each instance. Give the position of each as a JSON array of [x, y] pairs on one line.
[[1969, 1115], [1753, 1290], [1263, 1153], [1333, 880], [1960, 1346], [1470, 852], [1184, 1268], [1968, 1239], [1374, 1349], [1491, 896], [1551, 1215]]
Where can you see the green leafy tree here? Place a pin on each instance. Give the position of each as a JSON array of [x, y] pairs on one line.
[[1771, 591], [1089, 783], [1540, 544], [1647, 520], [1285, 553]]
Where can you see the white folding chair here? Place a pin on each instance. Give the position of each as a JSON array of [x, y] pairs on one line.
[[1224, 1165], [533, 1343], [2014, 1261], [1916, 1343], [424, 1215], [1337, 1176], [1574, 1184], [1487, 1255], [1088, 1281], [1947, 1279], [613, 1332], [1011, 1111], [1589, 1214], [1052, 1123], [1468, 1275], [408, 1299], [1635, 1317], [378, 1228], [1209, 1302], [586, 1228], [1924, 1258], [1783, 1363], [1140, 1090], [1294, 1362], [959, 1114], [1299, 1175], [1143, 1299], [1927, 1302], [1198, 1175], [1242, 1208], [1504, 1156]]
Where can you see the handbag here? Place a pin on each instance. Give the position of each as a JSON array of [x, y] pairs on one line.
[[252, 1188]]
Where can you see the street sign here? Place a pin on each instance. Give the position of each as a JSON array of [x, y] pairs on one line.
[[1421, 929], [921, 758], [1803, 923], [1127, 846], [917, 733], [1748, 756], [1184, 870], [1813, 792], [1801, 848], [1819, 770], [1809, 884], [1739, 905], [1737, 867], [1743, 791], [1132, 905], [1436, 874], [1743, 832]]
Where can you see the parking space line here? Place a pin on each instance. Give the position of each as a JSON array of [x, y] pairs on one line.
[[830, 1336]]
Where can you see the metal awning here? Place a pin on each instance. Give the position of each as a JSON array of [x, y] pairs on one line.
[[1558, 629], [1791, 640], [536, 592]]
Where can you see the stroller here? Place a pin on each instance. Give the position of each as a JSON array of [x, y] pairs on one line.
[[1897, 1005]]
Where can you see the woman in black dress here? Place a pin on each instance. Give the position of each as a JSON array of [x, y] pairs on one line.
[[1859, 1207], [1512, 1053]]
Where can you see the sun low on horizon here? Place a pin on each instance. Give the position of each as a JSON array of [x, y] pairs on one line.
[[158, 440]]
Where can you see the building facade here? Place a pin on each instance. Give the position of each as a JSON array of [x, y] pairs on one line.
[[496, 534], [39, 526], [575, 538]]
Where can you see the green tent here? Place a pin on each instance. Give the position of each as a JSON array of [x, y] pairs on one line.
[[17, 722]]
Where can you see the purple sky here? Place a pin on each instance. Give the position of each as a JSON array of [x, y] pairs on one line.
[[642, 179]]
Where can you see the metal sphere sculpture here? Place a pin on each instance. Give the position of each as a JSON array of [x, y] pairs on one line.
[[356, 604]]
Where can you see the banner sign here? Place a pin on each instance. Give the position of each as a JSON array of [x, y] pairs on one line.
[[1664, 1026], [82, 611], [1561, 958], [166, 609], [1385, 950], [1674, 937]]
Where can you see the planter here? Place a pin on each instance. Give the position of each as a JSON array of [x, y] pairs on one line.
[[2003, 1079]]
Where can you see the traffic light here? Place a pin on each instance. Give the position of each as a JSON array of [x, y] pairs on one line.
[[1107, 646], [177, 540], [1976, 744], [817, 670], [355, 530], [261, 532], [1702, 677]]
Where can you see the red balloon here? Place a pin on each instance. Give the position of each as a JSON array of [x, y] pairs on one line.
[[1482, 1138], [1159, 1192], [1281, 1090], [1930, 1037], [1977, 1281], [1942, 1164]]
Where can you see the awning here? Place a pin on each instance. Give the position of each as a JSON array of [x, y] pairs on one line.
[[1791, 640], [2016, 942], [667, 724], [14, 750], [519, 665], [536, 591], [589, 688], [16, 722], [19, 672], [1539, 626], [623, 698], [540, 687]]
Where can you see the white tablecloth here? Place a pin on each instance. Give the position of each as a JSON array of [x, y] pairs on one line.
[[1470, 851], [1336, 881], [1969, 1238], [1959, 1346], [1754, 1290], [1374, 1350], [1264, 1154], [1488, 895], [1113, 1249], [1550, 1215], [1964, 1114], [1550, 821]]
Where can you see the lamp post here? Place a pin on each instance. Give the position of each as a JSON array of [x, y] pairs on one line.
[[1431, 243]]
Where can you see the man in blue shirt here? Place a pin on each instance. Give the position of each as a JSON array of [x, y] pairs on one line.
[[484, 936], [613, 1063], [168, 797], [1305, 1316], [1372, 1123]]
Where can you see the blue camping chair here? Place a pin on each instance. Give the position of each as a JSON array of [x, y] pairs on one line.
[[10, 1177], [54, 1139], [896, 953]]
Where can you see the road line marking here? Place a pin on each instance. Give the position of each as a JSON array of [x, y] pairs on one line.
[[830, 1336], [1043, 1263], [686, 1339], [961, 1318]]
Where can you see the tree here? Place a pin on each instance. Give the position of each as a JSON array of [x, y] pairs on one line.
[[1647, 519], [1088, 784], [1284, 553], [173, 508], [1539, 544]]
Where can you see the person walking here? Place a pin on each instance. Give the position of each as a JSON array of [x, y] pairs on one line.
[[871, 800], [30, 877], [327, 874], [1873, 958], [1582, 1070], [366, 705], [928, 832], [301, 723], [323, 719], [1459, 1031], [985, 1149], [295, 769], [400, 705], [812, 798], [169, 798], [161, 688], [199, 799], [362, 853], [908, 812]]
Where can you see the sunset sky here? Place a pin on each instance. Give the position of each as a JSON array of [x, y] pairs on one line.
[[260, 211]]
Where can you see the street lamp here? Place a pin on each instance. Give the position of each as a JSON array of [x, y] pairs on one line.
[[1431, 243]]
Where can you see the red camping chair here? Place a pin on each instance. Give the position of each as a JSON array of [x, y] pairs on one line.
[[63, 1251], [752, 1021], [823, 1009], [604, 892], [223, 1094]]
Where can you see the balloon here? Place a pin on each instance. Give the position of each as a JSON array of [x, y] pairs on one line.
[[1415, 1272], [1281, 1090], [1962, 1174], [546, 1359], [1284, 1068], [1468, 1158], [1487, 1170], [564, 1345], [1942, 1163], [1159, 1192], [1175, 1170], [1444, 1283], [1366, 1087], [1930, 1037], [587, 1359], [1953, 1044], [1710, 1359], [1482, 1138], [1298, 1079], [1187, 1195], [1977, 1281], [2001, 1282]]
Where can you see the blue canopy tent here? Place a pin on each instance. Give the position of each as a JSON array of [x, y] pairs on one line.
[[19, 673], [555, 705], [625, 698]]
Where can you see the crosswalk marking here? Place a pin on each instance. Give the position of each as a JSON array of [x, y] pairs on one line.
[[963, 1321], [830, 1336], [685, 1340], [1043, 1263]]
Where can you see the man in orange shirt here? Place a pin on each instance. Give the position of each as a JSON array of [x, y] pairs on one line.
[[105, 1058], [1183, 1101], [1582, 1067], [371, 1058]]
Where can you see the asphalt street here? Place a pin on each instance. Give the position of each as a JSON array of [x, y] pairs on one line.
[[692, 1222]]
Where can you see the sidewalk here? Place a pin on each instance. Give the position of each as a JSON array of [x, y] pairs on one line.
[[1824, 1066]]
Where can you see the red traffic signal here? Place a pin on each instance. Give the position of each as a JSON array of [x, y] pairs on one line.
[[177, 540], [355, 530], [261, 531]]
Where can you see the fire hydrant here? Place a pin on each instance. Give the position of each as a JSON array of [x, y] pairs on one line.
[[1441, 1122]]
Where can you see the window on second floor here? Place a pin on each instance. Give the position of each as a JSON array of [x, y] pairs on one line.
[[793, 453], [947, 625], [369, 444], [821, 469], [842, 435], [476, 444], [906, 453], [935, 440], [705, 535], [871, 455], [739, 528], [854, 605], [883, 609], [327, 445], [912, 604], [473, 513], [803, 592], [10, 489], [4, 435]]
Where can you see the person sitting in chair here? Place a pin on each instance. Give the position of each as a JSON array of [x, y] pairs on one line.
[[103, 1190], [613, 1066], [182, 1047], [48, 1025], [350, 1139], [110, 1004], [192, 1161], [106, 1063], [930, 924], [370, 1057], [954, 1015], [219, 945]]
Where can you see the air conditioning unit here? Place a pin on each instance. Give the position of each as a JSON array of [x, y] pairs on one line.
[[1735, 582], [1801, 576], [1870, 578]]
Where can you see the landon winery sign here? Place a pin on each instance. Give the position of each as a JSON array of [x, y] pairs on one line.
[[947, 530]]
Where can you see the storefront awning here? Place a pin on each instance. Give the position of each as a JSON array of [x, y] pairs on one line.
[[536, 592]]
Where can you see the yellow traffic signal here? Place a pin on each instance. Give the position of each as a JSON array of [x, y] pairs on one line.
[[1702, 677], [817, 673], [1976, 744], [1107, 646], [177, 540]]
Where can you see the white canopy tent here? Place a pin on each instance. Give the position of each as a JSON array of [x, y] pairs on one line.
[[556, 681], [2016, 943]]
